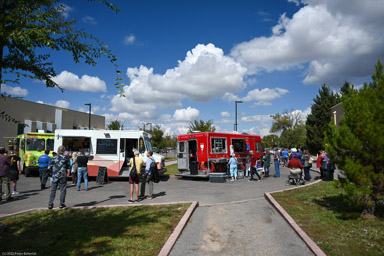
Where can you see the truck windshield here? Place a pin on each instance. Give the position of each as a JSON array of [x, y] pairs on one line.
[[36, 144], [148, 144]]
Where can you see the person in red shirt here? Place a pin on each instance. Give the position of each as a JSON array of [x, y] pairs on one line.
[[295, 163], [254, 166]]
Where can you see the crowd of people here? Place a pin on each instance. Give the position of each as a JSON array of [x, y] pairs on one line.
[[57, 169], [293, 159]]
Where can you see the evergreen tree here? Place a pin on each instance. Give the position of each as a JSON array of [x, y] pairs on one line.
[[357, 146], [317, 122], [346, 88]]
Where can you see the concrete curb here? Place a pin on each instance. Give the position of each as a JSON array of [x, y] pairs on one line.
[[95, 206], [310, 243], [177, 231]]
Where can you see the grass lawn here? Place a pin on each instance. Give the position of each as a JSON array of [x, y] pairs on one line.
[[172, 169], [140, 230], [338, 228]]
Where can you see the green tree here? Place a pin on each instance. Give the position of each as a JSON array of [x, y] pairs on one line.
[[292, 129], [31, 29], [270, 140], [201, 126], [293, 137], [346, 88], [317, 122], [157, 136], [357, 146], [115, 125]]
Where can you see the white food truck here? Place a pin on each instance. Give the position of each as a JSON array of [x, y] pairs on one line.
[[107, 148]]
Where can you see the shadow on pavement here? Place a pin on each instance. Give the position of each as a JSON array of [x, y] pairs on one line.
[[92, 203], [160, 194]]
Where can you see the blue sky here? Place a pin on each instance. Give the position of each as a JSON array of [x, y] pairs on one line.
[[186, 60]]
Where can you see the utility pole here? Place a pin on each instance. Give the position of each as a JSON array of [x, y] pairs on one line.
[[237, 101]]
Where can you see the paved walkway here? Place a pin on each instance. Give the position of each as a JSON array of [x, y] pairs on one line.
[[233, 218]]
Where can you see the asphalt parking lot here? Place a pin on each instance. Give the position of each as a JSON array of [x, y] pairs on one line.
[[232, 217]]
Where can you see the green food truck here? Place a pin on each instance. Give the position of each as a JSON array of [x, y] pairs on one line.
[[31, 146]]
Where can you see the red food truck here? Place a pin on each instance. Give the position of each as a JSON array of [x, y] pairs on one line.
[[203, 153]]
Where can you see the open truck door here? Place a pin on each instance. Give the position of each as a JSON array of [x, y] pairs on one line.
[[182, 155]]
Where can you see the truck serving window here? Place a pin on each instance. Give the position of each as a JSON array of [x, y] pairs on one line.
[[106, 146], [36, 144], [50, 144], [218, 145], [238, 145]]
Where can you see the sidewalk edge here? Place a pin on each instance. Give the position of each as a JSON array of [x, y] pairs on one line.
[[177, 231], [310, 243]]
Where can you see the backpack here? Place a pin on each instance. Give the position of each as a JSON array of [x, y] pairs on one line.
[[155, 172], [133, 173]]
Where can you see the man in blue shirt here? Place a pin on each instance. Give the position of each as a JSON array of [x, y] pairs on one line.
[[285, 157], [147, 177], [44, 161]]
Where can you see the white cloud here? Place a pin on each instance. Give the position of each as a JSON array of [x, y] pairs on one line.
[[225, 114], [62, 104], [338, 40], [262, 103], [95, 108], [17, 91], [263, 96], [166, 118], [70, 81], [129, 39], [297, 2], [187, 114], [89, 20], [66, 10], [224, 121], [228, 96], [256, 118], [204, 74], [257, 131]]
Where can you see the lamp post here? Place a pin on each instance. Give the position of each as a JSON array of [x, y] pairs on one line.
[[237, 101], [89, 119], [150, 126]]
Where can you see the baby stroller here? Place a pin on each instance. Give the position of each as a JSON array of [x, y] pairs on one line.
[[295, 177]]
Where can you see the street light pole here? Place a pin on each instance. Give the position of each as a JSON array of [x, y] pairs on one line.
[[237, 101], [89, 119]]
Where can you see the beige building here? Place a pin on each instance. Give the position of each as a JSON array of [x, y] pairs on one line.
[[42, 117]]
